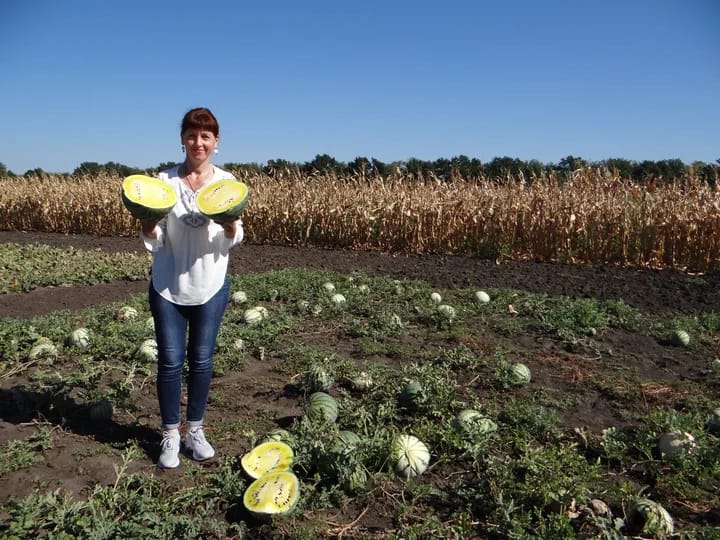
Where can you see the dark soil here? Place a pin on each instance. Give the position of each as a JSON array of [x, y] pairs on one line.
[[73, 465]]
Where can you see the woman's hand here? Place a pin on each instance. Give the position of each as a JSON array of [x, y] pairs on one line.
[[148, 227], [230, 228]]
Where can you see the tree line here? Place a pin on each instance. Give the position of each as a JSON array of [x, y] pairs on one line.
[[667, 170]]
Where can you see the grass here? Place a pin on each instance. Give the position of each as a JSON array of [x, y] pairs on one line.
[[535, 476], [26, 267]]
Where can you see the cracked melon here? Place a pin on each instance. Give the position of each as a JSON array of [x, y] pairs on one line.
[[267, 457], [273, 494], [147, 198], [223, 200]]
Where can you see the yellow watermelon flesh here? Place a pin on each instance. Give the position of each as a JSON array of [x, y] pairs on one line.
[[267, 457], [147, 198], [272, 494], [223, 200]]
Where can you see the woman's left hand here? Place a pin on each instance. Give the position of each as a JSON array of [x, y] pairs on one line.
[[230, 228]]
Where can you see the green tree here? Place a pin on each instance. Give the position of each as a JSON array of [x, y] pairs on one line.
[[646, 170], [361, 165], [533, 169], [707, 172], [622, 167], [380, 168], [274, 166], [442, 168], [88, 167], [165, 165], [418, 167], [324, 164], [502, 167], [464, 167], [243, 168], [571, 163], [672, 169]]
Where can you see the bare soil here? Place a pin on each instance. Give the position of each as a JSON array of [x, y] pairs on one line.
[[72, 464]]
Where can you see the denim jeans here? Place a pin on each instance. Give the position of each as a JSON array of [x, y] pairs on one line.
[[199, 325]]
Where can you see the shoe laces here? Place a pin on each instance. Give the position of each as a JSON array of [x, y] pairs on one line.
[[169, 440], [198, 436]]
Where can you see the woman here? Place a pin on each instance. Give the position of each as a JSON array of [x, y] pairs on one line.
[[189, 289]]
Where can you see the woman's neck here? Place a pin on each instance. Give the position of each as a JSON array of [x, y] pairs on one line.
[[201, 169], [196, 177]]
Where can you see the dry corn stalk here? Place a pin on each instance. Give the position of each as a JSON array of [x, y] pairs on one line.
[[595, 217]]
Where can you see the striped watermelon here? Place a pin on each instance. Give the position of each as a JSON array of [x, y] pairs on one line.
[[322, 407]]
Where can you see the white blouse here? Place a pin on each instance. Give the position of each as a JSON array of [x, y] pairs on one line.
[[190, 253]]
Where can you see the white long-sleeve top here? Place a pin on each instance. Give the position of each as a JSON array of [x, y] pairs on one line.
[[190, 252]]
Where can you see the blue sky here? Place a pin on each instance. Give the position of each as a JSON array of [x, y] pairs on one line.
[[88, 80]]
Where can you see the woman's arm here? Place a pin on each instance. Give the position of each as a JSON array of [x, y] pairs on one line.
[[233, 231]]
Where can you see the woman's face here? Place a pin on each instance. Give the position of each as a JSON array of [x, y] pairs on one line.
[[199, 144]]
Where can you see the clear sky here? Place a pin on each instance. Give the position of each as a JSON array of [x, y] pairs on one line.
[[109, 80]]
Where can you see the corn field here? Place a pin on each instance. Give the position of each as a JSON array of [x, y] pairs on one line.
[[593, 218]]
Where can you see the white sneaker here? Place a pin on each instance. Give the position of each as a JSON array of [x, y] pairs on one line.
[[197, 446], [170, 450]]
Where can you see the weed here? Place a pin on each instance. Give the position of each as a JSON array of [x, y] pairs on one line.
[[23, 453]]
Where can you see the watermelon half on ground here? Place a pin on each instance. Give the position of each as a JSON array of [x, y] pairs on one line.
[[147, 198], [223, 200]]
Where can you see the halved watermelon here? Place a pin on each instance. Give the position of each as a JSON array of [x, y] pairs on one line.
[[223, 200], [147, 198], [267, 457], [273, 494]]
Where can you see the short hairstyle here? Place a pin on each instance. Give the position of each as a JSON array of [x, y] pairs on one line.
[[200, 118]]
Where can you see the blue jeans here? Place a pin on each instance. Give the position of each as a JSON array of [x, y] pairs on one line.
[[172, 323]]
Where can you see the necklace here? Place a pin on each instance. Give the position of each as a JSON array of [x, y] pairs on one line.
[[200, 181]]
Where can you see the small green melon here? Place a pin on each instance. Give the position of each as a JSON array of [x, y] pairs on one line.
[[79, 338], [318, 379], [520, 374], [43, 350], [321, 407], [680, 338], [473, 422]]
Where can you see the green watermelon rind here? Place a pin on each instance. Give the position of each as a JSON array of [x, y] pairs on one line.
[[322, 407]]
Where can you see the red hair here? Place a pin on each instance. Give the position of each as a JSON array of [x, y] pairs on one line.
[[200, 118]]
